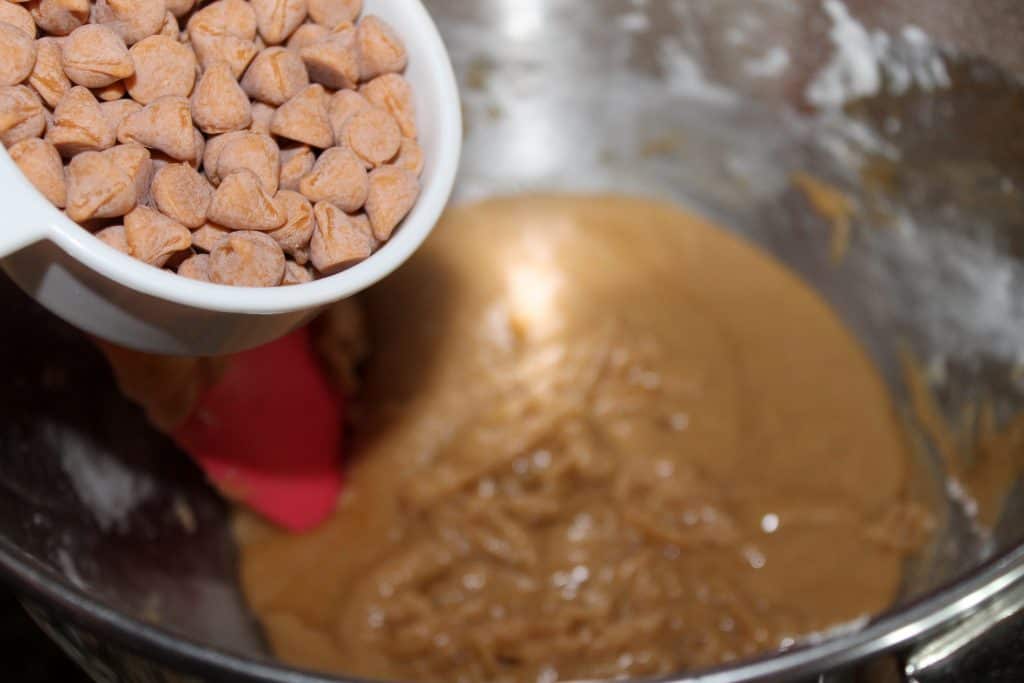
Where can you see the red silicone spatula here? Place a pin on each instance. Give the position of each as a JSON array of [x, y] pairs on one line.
[[268, 433]]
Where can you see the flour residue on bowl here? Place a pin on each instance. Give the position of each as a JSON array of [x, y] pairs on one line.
[[109, 489], [864, 61]]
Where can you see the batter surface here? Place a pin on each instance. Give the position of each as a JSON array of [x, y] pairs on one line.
[[597, 437]]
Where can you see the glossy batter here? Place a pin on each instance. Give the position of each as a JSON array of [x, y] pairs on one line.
[[597, 437]]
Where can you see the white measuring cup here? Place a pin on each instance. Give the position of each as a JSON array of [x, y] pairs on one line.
[[113, 296]]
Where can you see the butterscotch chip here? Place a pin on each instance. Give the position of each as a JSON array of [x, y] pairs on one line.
[[226, 17], [339, 240], [163, 67], [237, 52], [241, 203], [208, 236], [114, 236], [303, 118], [18, 16], [381, 51], [248, 151], [393, 93], [153, 237], [330, 13], [294, 274], [164, 125], [48, 77], [170, 28], [410, 157], [180, 8], [160, 159], [98, 188], [110, 93], [133, 20], [296, 163], [294, 235], [224, 31], [277, 19], [372, 135], [275, 76], [135, 160], [76, 6], [117, 111], [79, 124], [41, 164], [334, 61], [307, 34], [337, 177], [343, 105], [211, 155], [196, 267], [261, 117], [247, 259], [364, 221], [54, 17], [17, 54], [393, 191], [181, 193], [95, 56], [218, 104], [21, 114]]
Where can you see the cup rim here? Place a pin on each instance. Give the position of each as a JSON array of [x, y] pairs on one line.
[[414, 229]]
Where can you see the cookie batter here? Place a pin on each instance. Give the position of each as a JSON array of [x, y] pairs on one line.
[[597, 437]]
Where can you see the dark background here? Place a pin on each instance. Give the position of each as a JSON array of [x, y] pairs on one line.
[[28, 655]]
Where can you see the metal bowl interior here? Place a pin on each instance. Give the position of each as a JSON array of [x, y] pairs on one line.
[[711, 103]]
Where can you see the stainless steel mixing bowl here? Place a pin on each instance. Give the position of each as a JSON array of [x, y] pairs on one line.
[[911, 107]]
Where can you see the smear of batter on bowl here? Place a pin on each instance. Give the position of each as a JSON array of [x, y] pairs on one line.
[[597, 437], [832, 205], [982, 455]]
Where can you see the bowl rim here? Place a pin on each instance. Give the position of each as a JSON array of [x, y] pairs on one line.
[[920, 618], [440, 80]]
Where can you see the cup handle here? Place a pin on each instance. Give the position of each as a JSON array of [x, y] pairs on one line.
[[23, 219], [16, 237]]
